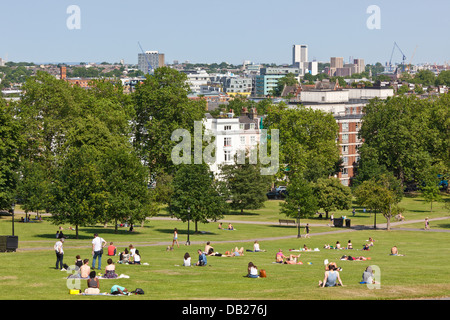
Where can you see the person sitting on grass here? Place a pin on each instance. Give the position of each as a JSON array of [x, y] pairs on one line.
[[201, 258], [85, 269], [394, 251], [124, 256], [209, 250], [252, 271], [93, 284], [256, 247], [110, 270], [187, 260], [280, 257], [331, 278]]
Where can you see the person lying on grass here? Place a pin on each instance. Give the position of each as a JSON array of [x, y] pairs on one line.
[[350, 258], [236, 253], [292, 260]]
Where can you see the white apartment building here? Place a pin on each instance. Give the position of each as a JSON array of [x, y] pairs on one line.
[[231, 135], [198, 79]]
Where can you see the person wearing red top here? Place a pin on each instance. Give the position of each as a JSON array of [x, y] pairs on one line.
[[111, 249]]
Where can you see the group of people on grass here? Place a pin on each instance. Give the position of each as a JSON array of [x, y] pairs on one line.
[[131, 255], [83, 269]]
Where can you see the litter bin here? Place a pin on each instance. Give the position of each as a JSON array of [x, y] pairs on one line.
[[338, 222], [9, 243], [347, 223]]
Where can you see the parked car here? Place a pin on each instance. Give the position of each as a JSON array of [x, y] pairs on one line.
[[276, 194]]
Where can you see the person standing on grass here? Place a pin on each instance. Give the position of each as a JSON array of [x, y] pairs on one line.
[[175, 238], [427, 224], [98, 244], [307, 230], [59, 253]]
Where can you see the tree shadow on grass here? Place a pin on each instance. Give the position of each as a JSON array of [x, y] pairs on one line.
[[238, 213], [88, 233], [185, 232]]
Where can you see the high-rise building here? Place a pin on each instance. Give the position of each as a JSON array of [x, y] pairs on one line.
[[336, 62], [360, 66], [299, 54], [155, 59]]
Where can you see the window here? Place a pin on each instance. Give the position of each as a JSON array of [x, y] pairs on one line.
[[227, 141], [242, 138], [252, 126], [345, 138], [345, 126], [227, 155], [252, 139], [241, 126], [226, 127]]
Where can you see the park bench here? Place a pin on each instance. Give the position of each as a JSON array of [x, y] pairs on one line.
[[286, 221]]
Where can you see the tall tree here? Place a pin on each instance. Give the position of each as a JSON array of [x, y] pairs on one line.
[[194, 187], [332, 195], [380, 195], [406, 135], [78, 194], [246, 185], [162, 106], [10, 144], [307, 140], [126, 183], [301, 197]]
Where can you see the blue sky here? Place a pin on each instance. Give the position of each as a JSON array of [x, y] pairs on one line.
[[233, 30]]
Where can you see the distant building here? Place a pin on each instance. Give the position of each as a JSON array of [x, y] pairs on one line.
[[268, 79], [347, 107], [233, 85], [232, 134], [155, 59], [299, 54], [197, 79]]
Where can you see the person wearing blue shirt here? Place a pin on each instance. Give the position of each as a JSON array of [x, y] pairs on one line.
[[201, 258]]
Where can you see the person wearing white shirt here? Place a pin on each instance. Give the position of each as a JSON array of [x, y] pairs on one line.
[[97, 250], [59, 253]]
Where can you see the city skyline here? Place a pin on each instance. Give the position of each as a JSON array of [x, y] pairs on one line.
[[209, 31]]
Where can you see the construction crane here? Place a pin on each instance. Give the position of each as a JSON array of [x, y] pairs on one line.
[[409, 64], [149, 70], [403, 58]]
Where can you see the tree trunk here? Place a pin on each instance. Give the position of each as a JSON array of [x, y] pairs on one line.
[[115, 226], [76, 231], [196, 227]]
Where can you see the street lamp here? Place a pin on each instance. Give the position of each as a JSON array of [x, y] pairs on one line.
[[188, 243], [375, 220], [12, 211], [298, 224]]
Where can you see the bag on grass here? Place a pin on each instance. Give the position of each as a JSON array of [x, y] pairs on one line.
[[262, 273], [138, 291]]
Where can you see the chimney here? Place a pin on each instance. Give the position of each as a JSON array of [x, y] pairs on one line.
[[253, 113], [63, 72]]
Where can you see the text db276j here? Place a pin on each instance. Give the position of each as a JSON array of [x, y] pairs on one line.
[[229, 309]]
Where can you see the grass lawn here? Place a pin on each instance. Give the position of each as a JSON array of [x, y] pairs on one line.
[[29, 273]]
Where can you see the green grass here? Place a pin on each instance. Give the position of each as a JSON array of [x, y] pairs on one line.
[[29, 273]]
